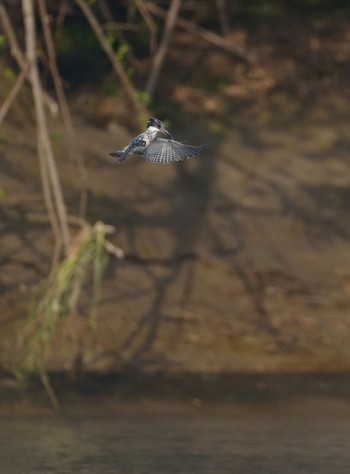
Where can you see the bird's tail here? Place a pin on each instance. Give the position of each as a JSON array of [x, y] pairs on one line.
[[116, 153], [122, 154]]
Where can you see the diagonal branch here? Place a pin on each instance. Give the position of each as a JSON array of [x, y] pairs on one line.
[[18, 54], [107, 48], [13, 93], [208, 36], [152, 26], [161, 53]]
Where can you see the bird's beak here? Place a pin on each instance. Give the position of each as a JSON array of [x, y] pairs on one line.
[[166, 133]]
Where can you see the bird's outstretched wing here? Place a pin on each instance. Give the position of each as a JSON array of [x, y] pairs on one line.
[[169, 151]]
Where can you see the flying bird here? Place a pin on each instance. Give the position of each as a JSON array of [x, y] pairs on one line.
[[155, 149]]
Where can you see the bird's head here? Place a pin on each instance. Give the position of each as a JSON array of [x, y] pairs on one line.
[[156, 123]]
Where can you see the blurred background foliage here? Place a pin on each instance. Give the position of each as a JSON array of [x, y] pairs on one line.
[[229, 67], [293, 44]]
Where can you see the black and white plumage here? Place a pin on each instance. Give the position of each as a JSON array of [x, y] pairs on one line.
[[168, 151], [157, 150]]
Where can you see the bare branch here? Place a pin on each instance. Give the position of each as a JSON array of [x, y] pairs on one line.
[[74, 148], [129, 88], [223, 16], [208, 36], [49, 203], [10, 34], [13, 93], [19, 56], [149, 22], [47, 160], [161, 53], [117, 28], [50, 391], [106, 12], [62, 13]]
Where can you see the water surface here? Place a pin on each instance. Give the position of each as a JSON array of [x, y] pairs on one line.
[[305, 438]]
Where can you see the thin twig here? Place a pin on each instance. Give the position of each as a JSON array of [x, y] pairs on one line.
[[62, 13], [152, 26], [161, 53], [13, 93], [74, 148], [10, 34], [50, 206], [19, 56], [223, 16], [129, 88], [105, 10], [117, 28], [208, 36], [50, 391]]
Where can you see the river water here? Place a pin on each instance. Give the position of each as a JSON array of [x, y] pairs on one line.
[[312, 437]]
